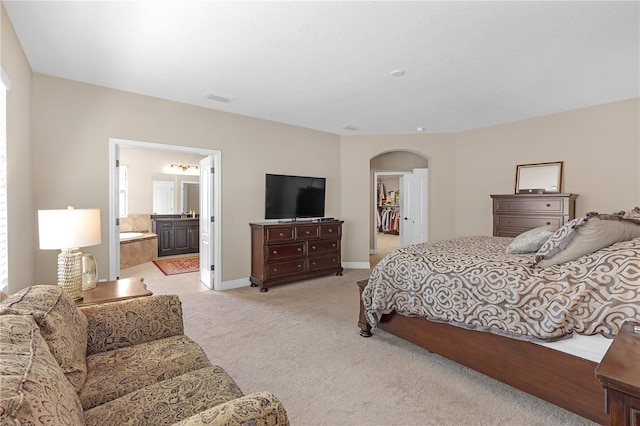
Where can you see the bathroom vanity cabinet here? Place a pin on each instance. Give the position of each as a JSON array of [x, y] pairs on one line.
[[177, 236]]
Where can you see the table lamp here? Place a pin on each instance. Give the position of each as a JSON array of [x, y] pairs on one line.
[[67, 230]]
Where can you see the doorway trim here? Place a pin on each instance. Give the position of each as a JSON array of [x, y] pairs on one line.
[[375, 205], [114, 237]]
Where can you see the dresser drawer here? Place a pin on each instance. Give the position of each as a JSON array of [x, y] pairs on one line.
[[306, 232], [330, 231], [528, 222], [531, 206], [290, 267], [324, 262], [328, 246], [284, 251], [279, 234]]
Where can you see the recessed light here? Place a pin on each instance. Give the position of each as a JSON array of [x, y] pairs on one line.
[[219, 98], [421, 129], [397, 73]]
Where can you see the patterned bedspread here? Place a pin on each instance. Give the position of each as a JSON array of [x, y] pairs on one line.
[[471, 282]]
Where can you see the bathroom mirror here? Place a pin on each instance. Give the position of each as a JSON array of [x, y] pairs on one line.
[[539, 178], [191, 196]]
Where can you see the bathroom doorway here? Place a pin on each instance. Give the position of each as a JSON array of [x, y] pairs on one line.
[[214, 273]]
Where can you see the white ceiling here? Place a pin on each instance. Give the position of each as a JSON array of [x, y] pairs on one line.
[[322, 65]]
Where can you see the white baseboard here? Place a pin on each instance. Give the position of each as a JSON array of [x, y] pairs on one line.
[[231, 284], [356, 265], [244, 282]]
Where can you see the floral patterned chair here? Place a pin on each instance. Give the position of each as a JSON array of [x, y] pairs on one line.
[[121, 363]]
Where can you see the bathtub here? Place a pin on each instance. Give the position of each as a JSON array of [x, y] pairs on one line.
[[137, 248], [124, 236]]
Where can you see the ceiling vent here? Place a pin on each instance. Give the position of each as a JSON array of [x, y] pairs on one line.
[[218, 98], [350, 127]]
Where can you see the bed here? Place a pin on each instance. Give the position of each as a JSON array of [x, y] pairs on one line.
[[511, 316]]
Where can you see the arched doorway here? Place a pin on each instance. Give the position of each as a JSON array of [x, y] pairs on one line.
[[386, 172]]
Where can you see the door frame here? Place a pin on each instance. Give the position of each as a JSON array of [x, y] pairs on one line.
[[375, 205], [114, 228]]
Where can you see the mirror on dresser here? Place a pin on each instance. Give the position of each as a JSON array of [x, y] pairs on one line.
[[539, 178]]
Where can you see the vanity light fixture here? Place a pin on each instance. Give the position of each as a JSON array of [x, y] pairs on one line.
[[184, 167]]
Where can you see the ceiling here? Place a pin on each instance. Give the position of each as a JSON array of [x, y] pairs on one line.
[[328, 65]]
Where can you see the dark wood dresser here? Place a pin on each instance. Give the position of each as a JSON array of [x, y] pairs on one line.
[[514, 214], [287, 252], [619, 373]]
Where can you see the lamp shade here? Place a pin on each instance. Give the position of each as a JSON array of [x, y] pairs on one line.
[[69, 228]]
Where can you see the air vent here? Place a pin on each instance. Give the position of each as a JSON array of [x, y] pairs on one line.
[[350, 127], [218, 97]]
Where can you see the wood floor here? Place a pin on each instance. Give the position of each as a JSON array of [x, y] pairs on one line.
[[386, 244]]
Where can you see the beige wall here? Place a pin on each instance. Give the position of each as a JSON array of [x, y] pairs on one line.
[[72, 124], [22, 232], [598, 145]]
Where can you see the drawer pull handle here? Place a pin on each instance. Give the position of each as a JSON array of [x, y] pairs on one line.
[[299, 266], [299, 248], [333, 245], [281, 234], [275, 252], [306, 232], [313, 247], [548, 205], [548, 223], [275, 269], [330, 230], [313, 263]]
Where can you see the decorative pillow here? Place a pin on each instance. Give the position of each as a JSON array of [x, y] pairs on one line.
[[586, 235], [34, 390], [632, 214], [62, 326], [531, 240]]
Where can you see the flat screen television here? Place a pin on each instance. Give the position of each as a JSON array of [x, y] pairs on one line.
[[292, 197]]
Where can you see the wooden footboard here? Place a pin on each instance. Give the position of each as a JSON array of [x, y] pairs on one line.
[[559, 378]]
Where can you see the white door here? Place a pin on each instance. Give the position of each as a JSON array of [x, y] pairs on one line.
[[162, 197], [414, 198], [206, 222], [114, 241], [420, 212], [406, 224]]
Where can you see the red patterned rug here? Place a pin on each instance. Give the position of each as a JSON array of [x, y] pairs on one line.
[[178, 265]]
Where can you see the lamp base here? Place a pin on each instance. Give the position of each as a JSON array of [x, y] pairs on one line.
[[70, 272]]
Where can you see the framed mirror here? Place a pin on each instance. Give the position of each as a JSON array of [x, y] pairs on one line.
[[539, 178]]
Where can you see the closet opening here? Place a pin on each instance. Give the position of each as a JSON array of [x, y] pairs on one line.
[[399, 202]]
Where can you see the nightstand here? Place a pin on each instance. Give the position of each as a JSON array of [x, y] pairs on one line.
[[619, 373]]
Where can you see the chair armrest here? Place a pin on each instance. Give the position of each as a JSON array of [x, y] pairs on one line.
[[259, 409], [131, 322]]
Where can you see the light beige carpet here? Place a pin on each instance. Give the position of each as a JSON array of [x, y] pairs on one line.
[[300, 341]]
